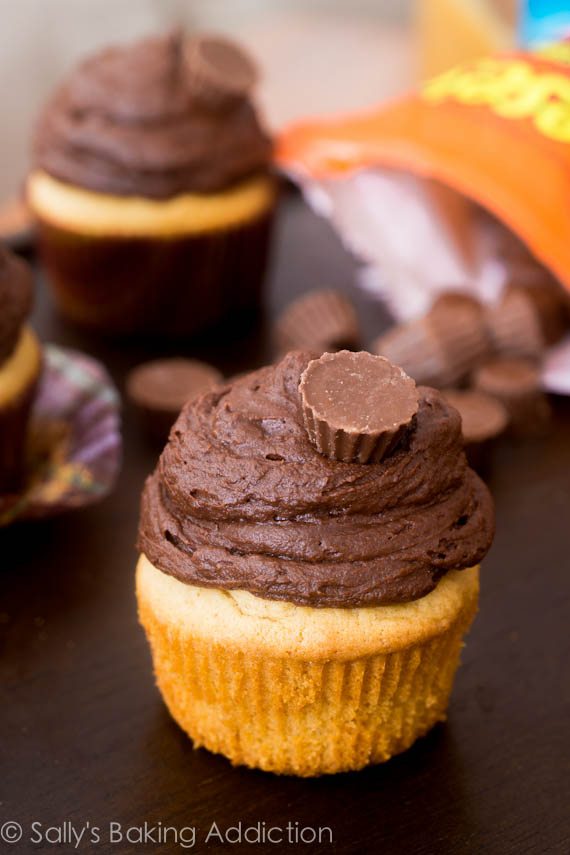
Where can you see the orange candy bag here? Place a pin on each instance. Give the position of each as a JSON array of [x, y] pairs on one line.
[[497, 130], [489, 137]]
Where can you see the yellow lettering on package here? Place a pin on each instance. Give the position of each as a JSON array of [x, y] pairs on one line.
[[512, 89]]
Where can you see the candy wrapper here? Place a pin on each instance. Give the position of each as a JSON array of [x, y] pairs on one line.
[[462, 185], [75, 440]]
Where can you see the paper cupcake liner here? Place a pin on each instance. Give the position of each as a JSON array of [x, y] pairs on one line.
[[74, 450], [303, 717], [416, 348], [175, 285], [318, 321], [514, 326]]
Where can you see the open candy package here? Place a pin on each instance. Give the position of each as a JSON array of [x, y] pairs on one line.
[[476, 164]]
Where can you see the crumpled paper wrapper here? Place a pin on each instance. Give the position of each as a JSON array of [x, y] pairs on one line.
[[75, 447]]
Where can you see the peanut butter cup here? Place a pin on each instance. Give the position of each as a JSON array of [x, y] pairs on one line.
[[219, 69], [320, 321], [159, 390], [356, 406], [417, 348], [516, 383], [483, 419]]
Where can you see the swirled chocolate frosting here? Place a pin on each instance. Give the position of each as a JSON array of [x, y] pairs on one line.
[[16, 295], [130, 120], [241, 499]]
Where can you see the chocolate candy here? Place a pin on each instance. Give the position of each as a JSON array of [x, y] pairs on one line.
[[443, 347], [356, 406], [483, 419], [219, 69], [159, 390], [459, 322], [320, 321], [516, 383], [514, 326], [419, 350]]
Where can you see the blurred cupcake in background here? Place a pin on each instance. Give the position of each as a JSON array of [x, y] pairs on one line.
[[20, 366], [152, 187]]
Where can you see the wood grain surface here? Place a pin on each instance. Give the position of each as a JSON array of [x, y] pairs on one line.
[[85, 738]]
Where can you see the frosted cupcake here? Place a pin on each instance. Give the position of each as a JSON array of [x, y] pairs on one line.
[[309, 549], [152, 189], [20, 365]]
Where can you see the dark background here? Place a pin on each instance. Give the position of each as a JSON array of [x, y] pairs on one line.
[[85, 737]]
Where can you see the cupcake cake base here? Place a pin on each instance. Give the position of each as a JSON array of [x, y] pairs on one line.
[[303, 691]]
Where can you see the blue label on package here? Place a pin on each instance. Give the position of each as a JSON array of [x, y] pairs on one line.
[[544, 21]]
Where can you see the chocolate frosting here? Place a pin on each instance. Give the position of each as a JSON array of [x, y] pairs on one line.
[[16, 294], [128, 121], [240, 499]]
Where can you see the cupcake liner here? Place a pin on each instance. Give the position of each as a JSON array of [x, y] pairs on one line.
[[303, 716], [319, 321], [175, 285], [74, 449], [417, 349], [514, 326]]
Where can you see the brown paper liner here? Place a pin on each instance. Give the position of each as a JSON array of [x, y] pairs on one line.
[[304, 717], [514, 326], [319, 321], [159, 286]]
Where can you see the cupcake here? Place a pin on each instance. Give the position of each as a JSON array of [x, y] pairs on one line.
[[152, 187], [306, 613], [20, 365]]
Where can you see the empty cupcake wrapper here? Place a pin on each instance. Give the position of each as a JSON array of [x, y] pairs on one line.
[[75, 444]]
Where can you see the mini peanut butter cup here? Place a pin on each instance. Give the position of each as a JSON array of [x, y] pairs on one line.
[[159, 389], [516, 383], [514, 326], [357, 407], [322, 321], [484, 419], [552, 306], [417, 348], [219, 69], [459, 322]]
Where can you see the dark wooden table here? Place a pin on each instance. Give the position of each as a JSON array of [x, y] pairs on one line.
[[84, 737]]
